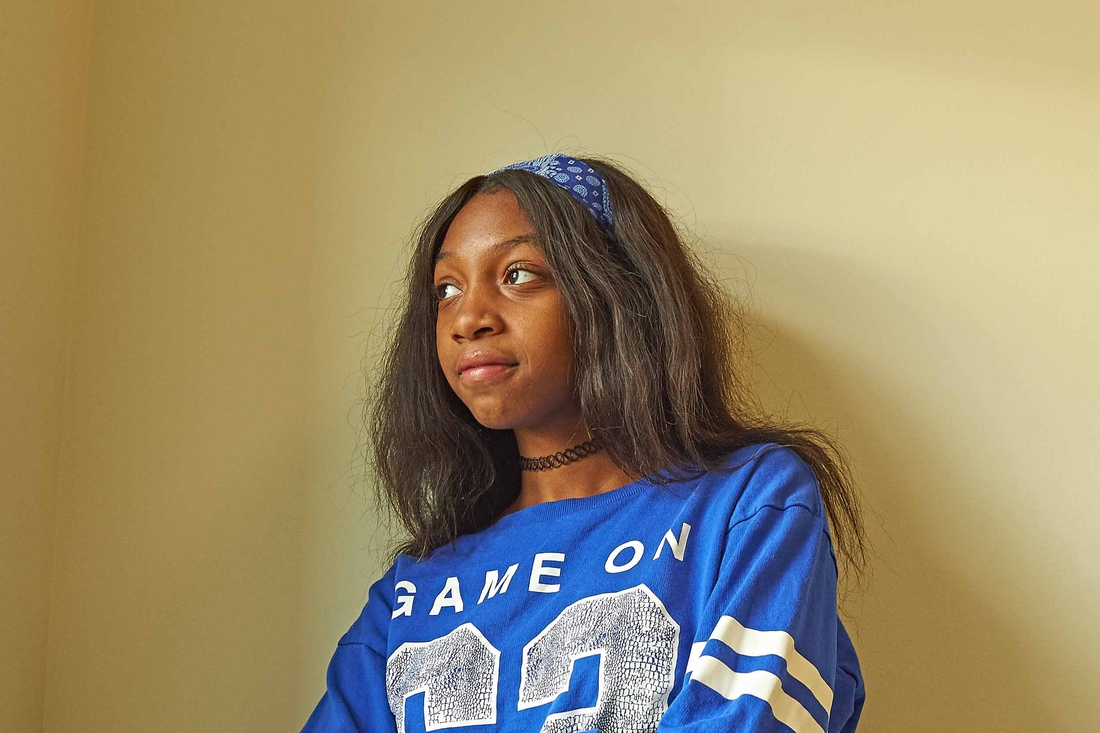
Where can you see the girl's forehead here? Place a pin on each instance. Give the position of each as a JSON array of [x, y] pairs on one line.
[[487, 249], [486, 226], [489, 215]]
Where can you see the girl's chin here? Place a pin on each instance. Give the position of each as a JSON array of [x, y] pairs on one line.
[[494, 423]]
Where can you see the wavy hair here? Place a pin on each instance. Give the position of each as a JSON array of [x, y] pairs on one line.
[[658, 343]]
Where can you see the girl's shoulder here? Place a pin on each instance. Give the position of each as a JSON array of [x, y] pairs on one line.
[[750, 479], [771, 475], [369, 628]]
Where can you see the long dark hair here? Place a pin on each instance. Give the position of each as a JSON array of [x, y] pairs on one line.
[[658, 343]]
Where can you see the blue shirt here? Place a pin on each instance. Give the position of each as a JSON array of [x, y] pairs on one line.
[[701, 605]]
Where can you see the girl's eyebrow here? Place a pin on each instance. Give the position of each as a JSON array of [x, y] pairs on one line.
[[504, 244]]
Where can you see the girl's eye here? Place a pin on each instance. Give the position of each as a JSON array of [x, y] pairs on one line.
[[441, 292], [513, 281]]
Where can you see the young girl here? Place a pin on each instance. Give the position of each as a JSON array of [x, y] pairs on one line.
[[603, 535]]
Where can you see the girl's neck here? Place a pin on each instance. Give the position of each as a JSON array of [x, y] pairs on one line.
[[589, 476]]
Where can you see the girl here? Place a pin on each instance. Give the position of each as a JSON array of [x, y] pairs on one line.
[[603, 536]]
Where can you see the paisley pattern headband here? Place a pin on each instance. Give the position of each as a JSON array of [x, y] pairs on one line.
[[577, 178]]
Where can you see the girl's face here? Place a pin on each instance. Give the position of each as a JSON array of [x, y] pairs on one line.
[[502, 335]]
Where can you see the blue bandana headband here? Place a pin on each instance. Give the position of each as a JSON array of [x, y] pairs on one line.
[[577, 178]]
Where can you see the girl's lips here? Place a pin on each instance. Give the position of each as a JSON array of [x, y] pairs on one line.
[[487, 373]]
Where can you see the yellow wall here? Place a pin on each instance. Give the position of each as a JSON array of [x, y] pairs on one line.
[[908, 190], [44, 48]]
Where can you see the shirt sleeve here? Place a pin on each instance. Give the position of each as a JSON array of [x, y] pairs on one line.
[[355, 698], [764, 658]]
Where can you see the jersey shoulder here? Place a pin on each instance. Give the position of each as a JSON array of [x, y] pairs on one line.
[[371, 626], [769, 475]]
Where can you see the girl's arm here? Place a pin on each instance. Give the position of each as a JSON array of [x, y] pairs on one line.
[[355, 697], [765, 656]]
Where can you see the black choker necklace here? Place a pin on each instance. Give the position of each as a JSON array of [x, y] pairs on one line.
[[559, 459]]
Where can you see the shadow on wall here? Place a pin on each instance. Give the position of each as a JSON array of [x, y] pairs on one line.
[[940, 651]]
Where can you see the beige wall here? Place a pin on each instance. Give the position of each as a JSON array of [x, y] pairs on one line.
[[44, 49], [908, 191]]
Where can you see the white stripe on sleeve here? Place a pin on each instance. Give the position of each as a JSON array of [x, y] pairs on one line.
[[753, 643], [760, 684], [693, 657]]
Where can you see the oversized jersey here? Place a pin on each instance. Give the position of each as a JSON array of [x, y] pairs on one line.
[[701, 605]]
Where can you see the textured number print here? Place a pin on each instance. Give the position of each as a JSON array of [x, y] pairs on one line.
[[637, 640], [458, 674]]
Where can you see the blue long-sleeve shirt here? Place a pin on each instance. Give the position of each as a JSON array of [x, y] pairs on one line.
[[703, 605]]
